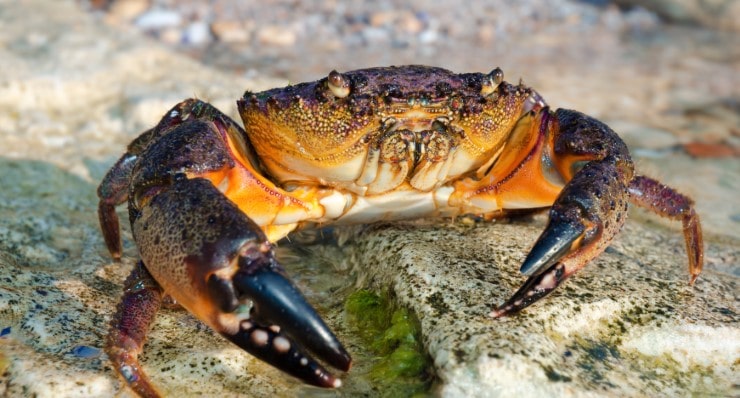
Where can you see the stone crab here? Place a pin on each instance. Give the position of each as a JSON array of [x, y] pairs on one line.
[[207, 198]]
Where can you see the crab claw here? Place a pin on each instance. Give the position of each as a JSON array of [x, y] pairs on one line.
[[551, 246], [277, 301], [586, 215], [281, 352], [213, 260]]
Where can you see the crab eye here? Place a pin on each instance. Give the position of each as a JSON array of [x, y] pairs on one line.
[[492, 81], [497, 75], [338, 84]]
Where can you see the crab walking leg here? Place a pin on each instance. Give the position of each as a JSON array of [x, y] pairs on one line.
[[197, 139], [113, 191], [142, 299], [212, 259], [586, 215], [666, 202]]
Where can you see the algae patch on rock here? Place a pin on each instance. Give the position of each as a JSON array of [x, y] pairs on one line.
[[393, 335]]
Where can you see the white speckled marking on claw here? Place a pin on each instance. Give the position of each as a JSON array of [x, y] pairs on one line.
[[259, 337], [549, 281], [281, 344]]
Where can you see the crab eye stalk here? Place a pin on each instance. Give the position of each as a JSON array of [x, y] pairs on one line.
[[338, 84], [492, 81]]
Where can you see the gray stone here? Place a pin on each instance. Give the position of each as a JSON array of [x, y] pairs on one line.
[[717, 14], [626, 325]]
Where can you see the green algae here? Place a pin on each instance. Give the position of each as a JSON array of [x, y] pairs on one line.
[[393, 334]]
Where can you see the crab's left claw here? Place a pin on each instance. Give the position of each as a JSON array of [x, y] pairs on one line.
[[552, 245], [583, 221]]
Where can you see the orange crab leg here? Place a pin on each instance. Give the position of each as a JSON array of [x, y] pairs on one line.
[[276, 211]]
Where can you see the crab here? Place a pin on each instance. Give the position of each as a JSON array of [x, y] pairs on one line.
[[207, 199]]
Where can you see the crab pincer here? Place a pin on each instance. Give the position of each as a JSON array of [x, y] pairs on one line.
[[213, 261], [198, 247], [227, 261], [592, 207]]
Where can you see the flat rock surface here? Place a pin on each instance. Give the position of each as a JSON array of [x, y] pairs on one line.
[[76, 87], [627, 325]]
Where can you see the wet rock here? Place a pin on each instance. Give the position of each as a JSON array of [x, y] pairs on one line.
[[231, 31], [628, 324], [276, 35]]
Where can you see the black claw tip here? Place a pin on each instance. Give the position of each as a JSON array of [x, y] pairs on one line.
[[535, 288], [277, 301], [550, 247], [280, 351]]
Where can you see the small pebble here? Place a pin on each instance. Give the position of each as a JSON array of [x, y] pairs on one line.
[[197, 33], [231, 31], [276, 35], [158, 19], [83, 351]]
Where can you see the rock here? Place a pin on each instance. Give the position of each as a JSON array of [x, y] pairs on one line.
[[711, 150], [381, 18], [231, 31], [409, 23], [374, 35], [71, 112], [628, 324], [717, 14], [643, 137], [276, 35], [122, 11], [155, 19], [197, 33]]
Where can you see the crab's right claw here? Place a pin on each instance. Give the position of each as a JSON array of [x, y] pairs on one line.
[[228, 262], [294, 324]]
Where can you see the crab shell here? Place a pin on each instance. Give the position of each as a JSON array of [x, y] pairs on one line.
[[388, 143]]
